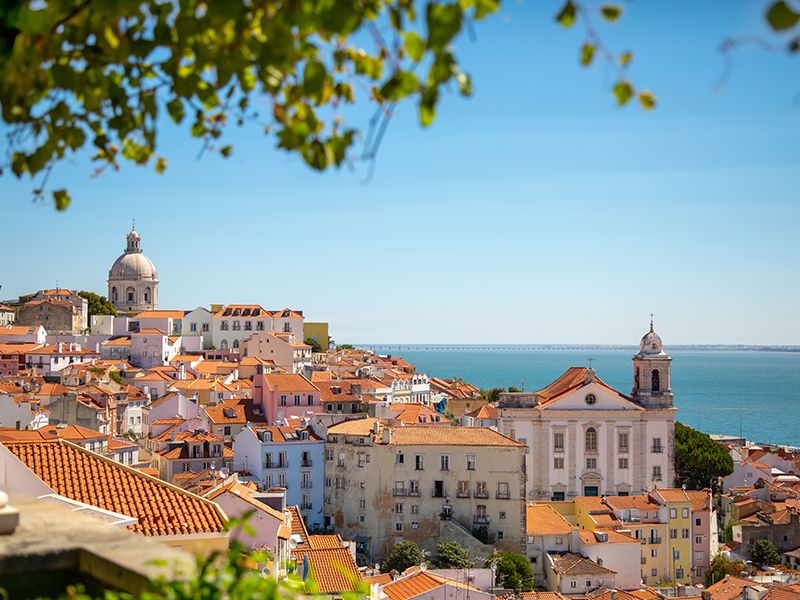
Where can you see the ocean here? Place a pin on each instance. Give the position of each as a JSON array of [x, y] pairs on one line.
[[752, 393]]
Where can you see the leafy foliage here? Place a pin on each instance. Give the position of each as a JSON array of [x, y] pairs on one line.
[[117, 377], [492, 395], [345, 347], [451, 555], [765, 553], [98, 305], [699, 460], [514, 572], [403, 555], [315, 346], [103, 75], [720, 567]]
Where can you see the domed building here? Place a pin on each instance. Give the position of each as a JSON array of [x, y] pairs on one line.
[[133, 279]]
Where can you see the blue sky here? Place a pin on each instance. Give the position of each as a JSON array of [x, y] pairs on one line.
[[535, 211]]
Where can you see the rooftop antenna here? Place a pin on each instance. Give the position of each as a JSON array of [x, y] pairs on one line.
[[651, 322], [590, 362]]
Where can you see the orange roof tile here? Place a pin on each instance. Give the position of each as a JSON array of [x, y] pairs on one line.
[[333, 569], [613, 537], [289, 382], [159, 314], [73, 433], [542, 519], [76, 473]]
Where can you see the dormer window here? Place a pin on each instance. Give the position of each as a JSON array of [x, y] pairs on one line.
[[267, 436]]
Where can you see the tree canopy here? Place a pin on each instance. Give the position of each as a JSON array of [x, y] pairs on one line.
[[98, 305], [699, 460], [514, 572], [720, 567], [403, 555], [765, 553], [451, 555], [315, 346], [103, 76]]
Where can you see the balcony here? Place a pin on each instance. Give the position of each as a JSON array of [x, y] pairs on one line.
[[503, 496], [307, 462], [306, 485], [481, 494], [399, 492], [462, 494], [655, 540], [340, 463], [480, 520], [644, 560], [306, 506], [413, 493], [657, 449]]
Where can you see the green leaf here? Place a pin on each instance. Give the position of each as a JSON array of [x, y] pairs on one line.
[[485, 7], [314, 79], [226, 151], [611, 12], [61, 199], [161, 165], [587, 53], [567, 15], [175, 110], [427, 106], [625, 59], [647, 100], [464, 82], [623, 92], [414, 45], [110, 37], [781, 17], [444, 22]]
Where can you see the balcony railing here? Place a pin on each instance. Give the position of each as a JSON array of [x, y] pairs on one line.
[[462, 494], [438, 493], [398, 492], [481, 494], [644, 560], [307, 462], [305, 506], [480, 520], [655, 540], [413, 492], [340, 463], [503, 495], [306, 485], [657, 449]]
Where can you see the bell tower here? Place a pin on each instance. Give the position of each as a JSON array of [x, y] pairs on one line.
[[651, 372]]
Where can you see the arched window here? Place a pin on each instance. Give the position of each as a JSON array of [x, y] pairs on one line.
[[591, 440], [235, 343], [147, 294], [656, 381], [130, 294], [636, 378], [114, 295], [223, 345]]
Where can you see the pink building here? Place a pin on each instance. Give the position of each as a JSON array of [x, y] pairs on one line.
[[285, 395], [705, 537]]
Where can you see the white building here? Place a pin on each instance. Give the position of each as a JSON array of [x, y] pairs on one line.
[[152, 348], [282, 348], [198, 322], [133, 279], [587, 439], [234, 323]]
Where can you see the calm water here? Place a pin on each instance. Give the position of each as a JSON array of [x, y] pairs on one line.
[[757, 393]]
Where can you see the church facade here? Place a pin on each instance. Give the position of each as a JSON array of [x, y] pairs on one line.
[[133, 279], [585, 438]]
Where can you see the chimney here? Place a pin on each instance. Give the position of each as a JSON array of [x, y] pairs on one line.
[[613, 594], [181, 372], [60, 347], [387, 434]]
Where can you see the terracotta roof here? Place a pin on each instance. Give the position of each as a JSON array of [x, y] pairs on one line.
[[333, 569], [728, 588], [781, 592], [613, 537], [16, 348], [159, 314], [416, 582], [286, 433], [19, 329], [380, 579], [542, 596], [640, 502], [487, 411], [572, 379], [161, 508], [298, 525], [572, 564], [543, 519], [237, 411], [116, 444], [672, 494], [322, 542], [245, 493], [122, 340], [65, 349], [414, 412], [420, 435], [353, 427], [698, 498], [288, 382], [73, 433]]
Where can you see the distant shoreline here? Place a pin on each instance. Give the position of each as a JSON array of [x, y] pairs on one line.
[[562, 347]]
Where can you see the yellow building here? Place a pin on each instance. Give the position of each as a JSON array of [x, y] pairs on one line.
[[317, 332]]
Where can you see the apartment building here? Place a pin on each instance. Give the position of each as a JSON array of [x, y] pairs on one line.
[[388, 483]]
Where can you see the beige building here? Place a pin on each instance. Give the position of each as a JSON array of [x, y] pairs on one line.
[[282, 348], [59, 311], [385, 484]]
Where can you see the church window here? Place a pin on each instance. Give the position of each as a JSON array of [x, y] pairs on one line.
[[591, 439], [636, 378], [656, 381], [223, 345], [130, 294], [590, 399], [147, 294], [235, 343], [113, 294], [558, 441]]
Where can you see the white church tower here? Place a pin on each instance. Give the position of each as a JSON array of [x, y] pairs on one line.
[[651, 373]]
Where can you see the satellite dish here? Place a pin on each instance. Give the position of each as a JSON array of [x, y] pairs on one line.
[[292, 544], [265, 572], [224, 472]]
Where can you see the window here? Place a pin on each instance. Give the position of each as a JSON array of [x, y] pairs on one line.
[[673, 513], [415, 509], [205, 327], [697, 522], [414, 525], [361, 518], [413, 488], [480, 490], [328, 482], [656, 381], [399, 458], [654, 552], [656, 473], [673, 534], [499, 535], [685, 513], [558, 441], [698, 539], [328, 453], [590, 441], [590, 399], [654, 572], [462, 490], [398, 508], [362, 459], [558, 462], [657, 449], [698, 556], [685, 533], [503, 492], [444, 462], [248, 325], [362, 504], [227, 430], [502, 514], [398, 526], [679, 573], [419, 462], [573, 584], [623, 463], [340, 461], [224, 326], [193, 327], [591, 463], [310, 399], [470, 462], [623, 442], [283, 400], [297, 399]]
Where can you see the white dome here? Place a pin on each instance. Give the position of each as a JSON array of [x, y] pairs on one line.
[[133, 266], [651, 343]]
